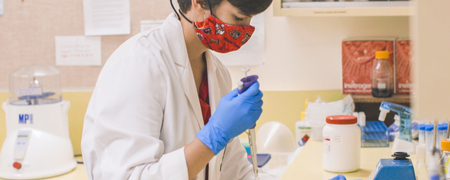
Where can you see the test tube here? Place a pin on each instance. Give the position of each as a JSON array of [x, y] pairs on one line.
[[421, 133], [442, 133], [438, 136], [429, 133]]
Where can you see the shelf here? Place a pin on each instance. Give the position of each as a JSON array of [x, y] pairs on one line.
[[398, 98], [368, 8]]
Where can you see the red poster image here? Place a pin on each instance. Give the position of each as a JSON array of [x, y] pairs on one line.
[[358, 56], [403, 61]]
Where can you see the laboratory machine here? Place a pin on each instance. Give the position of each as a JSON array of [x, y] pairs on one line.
[[37, 144], [394, 169], [402, 143]]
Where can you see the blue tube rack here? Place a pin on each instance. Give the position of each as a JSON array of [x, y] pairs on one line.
[[374, 134]]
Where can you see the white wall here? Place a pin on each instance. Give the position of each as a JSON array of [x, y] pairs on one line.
[[431, 38], [304, 53]]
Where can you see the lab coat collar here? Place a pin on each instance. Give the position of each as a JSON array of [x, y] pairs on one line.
[[177, 47], [213, 82]]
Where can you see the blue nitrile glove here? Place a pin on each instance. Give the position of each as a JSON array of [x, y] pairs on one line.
[[234, 114], [339, 177]]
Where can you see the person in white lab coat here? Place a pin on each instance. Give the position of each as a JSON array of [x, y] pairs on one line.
[[162, 106]]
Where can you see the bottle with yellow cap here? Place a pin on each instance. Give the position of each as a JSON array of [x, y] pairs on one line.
[[445, 147], [382, 76]]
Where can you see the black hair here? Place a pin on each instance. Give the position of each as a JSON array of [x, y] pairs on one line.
[[247, 7]]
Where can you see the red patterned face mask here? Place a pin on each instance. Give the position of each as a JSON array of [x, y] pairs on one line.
[[221, 37]]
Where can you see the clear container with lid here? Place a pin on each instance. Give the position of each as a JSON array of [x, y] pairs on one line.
[[341, 144], [421, 133], [445, 147], [429, 136], [35, 85], [382, 75]]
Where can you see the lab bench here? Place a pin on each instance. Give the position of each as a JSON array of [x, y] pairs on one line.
[[308, 164], [79, 173]]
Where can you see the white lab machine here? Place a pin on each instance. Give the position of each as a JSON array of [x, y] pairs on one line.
[[37, 144]]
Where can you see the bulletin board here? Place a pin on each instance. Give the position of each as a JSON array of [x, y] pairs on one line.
[[28, 29]]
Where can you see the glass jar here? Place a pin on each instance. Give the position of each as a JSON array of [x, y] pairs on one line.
[[382, 76]]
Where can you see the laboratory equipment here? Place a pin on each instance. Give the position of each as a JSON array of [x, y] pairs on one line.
[[251, 132], [435, 169], [37, 143], [421, 133], [394, 169], [434, 166], [394, 128], [442, 134], [404, 141], [429, 133], [445, 148], [374, 134], [341, 144], [276, 139], [302, 132], [421, 168], [382, 76], [273, 137], [362, 119], [262, 159]]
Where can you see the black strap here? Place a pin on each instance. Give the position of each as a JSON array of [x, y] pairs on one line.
[[182, 14], [173, 7], [210, 8]]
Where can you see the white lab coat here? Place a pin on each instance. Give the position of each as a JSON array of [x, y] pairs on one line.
[[145, 109]]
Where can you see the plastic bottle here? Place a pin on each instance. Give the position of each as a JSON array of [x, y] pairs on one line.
[[421, 168], [429, 133], [341, 144], [362, 119], [382, 76], [445, 147], [422, 134]]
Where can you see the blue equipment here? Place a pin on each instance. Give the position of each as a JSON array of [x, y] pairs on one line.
[[393, 169]]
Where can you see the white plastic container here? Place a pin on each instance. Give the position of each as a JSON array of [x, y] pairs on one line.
[[341, 144], [302, 132]]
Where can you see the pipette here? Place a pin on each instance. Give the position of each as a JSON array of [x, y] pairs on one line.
[[251, 131], [435, 171]]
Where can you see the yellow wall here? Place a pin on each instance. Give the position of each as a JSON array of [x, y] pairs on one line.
[[282, 106]]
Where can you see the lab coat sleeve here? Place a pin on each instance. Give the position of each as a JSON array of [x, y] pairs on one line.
[[126, 119], [236, 166]]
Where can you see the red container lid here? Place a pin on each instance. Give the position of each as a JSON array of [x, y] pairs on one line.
[[342, 119]]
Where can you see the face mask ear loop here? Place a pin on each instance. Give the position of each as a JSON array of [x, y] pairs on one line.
[[210, 8], [179, 10], [174, 10]]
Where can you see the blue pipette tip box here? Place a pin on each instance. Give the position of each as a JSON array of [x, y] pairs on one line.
[[374, 134]]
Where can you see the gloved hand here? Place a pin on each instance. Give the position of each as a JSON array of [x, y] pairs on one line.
[[234, 114], [248, 81]]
